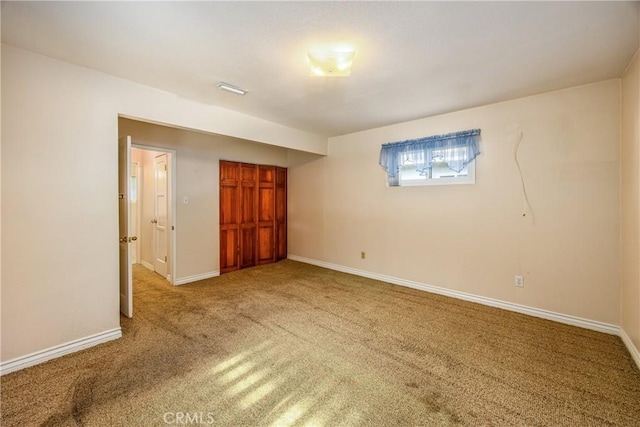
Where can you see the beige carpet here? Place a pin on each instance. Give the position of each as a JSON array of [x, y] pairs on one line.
[[293, 344]]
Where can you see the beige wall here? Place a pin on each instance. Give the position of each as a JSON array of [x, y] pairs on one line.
[[473, 238], [306, 205], [197, 177], [59, 270], [630, 218], [59, 192]]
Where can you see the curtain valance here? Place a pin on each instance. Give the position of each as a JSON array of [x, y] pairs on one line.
[[456, 149]]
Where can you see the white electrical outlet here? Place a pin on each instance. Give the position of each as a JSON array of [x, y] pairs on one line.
[[519, 281]]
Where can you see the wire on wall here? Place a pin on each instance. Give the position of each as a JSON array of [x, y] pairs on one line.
[[527, 209]]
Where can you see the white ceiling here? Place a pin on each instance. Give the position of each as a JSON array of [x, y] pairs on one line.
[[414, 59]]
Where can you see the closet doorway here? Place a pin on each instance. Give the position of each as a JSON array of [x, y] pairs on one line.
[[253, 215]]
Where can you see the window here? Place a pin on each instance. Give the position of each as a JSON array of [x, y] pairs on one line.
[[439, 172], [434, 160]]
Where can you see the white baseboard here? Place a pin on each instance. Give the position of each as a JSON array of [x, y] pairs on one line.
[[150, 267], [635, 353], [531, 311], [58, 351], [92, 340], [147, 265], [195, 278]]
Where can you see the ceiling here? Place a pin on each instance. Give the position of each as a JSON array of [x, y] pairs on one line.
[[414, 59]]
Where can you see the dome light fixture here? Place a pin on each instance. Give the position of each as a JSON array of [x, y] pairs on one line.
[[331, 63]]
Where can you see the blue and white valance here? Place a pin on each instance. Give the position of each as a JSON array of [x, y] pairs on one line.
[[457, 149]]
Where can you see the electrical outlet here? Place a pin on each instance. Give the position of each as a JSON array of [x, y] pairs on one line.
[[362, 255], [519, 281]]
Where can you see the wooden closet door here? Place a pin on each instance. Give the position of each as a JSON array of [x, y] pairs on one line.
[[281, 213], [266, 214], [248, 215], [229, 216], [253, 215]]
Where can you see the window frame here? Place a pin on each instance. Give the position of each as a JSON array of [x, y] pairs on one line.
[[468, 179]]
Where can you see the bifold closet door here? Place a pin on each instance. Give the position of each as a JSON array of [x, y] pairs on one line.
[[266, 214], [281, 214], [248, 214], [229, 216], [238, 228], [253, 215]]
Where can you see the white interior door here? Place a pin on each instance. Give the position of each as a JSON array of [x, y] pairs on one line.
[[124, 208], [160, 241]]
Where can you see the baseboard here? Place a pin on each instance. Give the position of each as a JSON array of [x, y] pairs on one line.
[[531, 311], [195, 278], [58, 351], [147, 265], [635, 353], [150, 267]]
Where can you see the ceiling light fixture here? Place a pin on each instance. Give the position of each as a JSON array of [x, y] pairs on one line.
[[231, 88], [331, 63]]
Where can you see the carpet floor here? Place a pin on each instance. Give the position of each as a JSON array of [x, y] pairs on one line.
[[293, 344]]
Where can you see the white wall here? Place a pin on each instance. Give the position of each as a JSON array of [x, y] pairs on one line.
[[197, 156], [473, 238], [630, 227], [59, 191]]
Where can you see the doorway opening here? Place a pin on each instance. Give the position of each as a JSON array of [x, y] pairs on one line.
[[154, 209]]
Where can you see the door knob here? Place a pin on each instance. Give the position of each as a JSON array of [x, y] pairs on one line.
[[154, 221], [133, 238]]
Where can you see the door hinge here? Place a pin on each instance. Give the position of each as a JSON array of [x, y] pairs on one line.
[[165, 258], [165, 167]]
